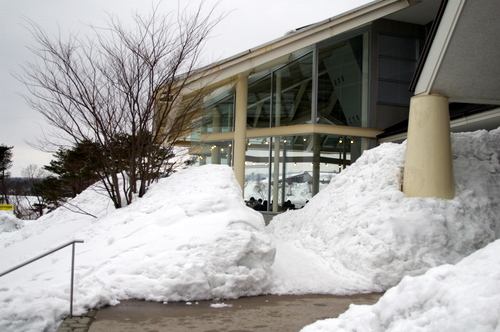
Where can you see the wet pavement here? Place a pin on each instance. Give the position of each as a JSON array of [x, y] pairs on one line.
[[260, 313]]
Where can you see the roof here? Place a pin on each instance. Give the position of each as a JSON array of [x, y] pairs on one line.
[[279, 50], [463, 61]]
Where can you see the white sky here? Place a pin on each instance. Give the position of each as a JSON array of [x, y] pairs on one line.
[[249, 23]]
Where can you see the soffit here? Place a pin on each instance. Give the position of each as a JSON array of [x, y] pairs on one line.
[[464, 59], [422, 12]]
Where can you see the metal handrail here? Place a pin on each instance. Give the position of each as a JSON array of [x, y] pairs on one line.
[[46, 254]]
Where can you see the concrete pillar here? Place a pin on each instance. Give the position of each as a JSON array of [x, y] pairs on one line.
[[283, 174], [240, 127], [428, 168], [215, 154], [216, 128]]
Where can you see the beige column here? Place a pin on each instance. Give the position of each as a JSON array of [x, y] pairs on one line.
[[428, 168], [215, 154], [240, 126], [216, 124]]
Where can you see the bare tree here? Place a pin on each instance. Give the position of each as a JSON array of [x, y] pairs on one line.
[[104, 89], [34, 172]]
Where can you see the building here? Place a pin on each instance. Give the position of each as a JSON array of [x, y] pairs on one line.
[[315, 99]]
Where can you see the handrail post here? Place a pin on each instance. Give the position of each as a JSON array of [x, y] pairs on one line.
[[72, 279], [48, 253]]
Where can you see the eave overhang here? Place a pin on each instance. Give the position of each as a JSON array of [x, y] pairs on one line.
[[463, 62]]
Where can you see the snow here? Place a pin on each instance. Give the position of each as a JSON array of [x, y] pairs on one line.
[[220, 305], [369, 235], [191, 237], [461, 297], [9, 223]]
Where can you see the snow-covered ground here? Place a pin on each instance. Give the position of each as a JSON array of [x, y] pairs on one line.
[[191, 237], [461, 297]]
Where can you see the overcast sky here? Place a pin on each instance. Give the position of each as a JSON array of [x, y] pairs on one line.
[[249, 23]]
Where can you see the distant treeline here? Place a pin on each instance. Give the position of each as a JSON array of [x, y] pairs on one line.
[[19, 186]]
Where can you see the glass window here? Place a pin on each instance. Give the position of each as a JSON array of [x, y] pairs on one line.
[[400, 47], [218, 111], [295, 168], [293, 93], [341, 83], [216, 153], [397, 62], [259, 101]]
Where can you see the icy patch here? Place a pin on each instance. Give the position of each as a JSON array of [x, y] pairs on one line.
[[220, 305]]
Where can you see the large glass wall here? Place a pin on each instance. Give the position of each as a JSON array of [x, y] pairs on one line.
[[290, 87], [342, 82], [292, 90], [325, 84], [216, 153], [218, 112], [259, 101], [295, 167]]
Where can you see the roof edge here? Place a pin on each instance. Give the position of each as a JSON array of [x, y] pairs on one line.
[[427, 46]]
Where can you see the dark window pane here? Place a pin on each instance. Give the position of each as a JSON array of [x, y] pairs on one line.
[[398, 46]]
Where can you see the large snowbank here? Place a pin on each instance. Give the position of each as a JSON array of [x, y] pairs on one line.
[[461, 297], [191, 237], [368, 235]]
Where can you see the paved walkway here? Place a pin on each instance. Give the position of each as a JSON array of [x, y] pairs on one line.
[[78, 324], [260, 313]]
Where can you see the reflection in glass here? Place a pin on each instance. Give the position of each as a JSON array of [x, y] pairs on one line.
[[259, 101], [220, 153], [340, 83], [218, 114], [293, 93], [278, 169]]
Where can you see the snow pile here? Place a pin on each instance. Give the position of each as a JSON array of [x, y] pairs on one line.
[[461, 297], [362, 234], [191, 237], [9, 222]]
